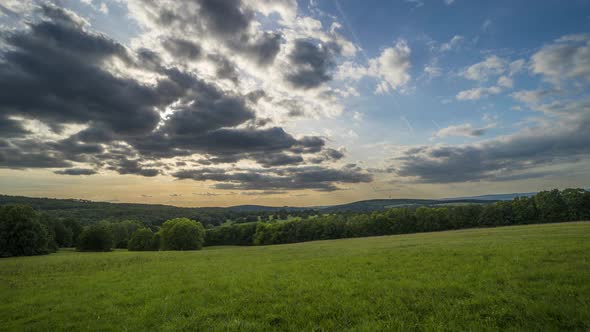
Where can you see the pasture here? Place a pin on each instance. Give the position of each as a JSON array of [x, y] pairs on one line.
[[534, 277]]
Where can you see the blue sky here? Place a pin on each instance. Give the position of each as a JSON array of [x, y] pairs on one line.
[[355, 100]]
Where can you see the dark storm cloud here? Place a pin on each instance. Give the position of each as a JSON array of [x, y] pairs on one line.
[[278, 159], [313, 63], [225, 68], [52, 73], [11, 128], [76, 171], [289, 178], [501, 159], [126, 166], [327, 155], [182, 48], [59, 72], [15, 158], [226, 21]]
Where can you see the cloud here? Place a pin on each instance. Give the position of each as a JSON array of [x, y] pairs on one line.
[[263, 193], [482, 71], [506, 157], [291, 178], [505, 82], [478, 93], [432, 71], [465, 130], [532, 97], [76, 171], [391, 67], [182, 48], [568, 58], [228, 22], [136, 112], [451, 44], [312, 64]]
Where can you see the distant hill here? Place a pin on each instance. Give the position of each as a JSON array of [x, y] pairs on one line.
[[495, 197], [90, 211], [381, 204]]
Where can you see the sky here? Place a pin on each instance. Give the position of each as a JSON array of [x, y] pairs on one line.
[[285, 102]]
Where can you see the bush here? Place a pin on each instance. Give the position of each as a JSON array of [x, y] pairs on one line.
[[96, 238], [21, 234], [182, 234], [143, 240]]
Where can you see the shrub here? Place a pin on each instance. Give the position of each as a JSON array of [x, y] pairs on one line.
[[96, 238], [182, 234], [143, 240], [21, 234]]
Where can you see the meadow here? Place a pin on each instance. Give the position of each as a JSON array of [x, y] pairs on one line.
[[534, 277]]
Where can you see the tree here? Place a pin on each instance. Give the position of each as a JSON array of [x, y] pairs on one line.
[[21, 234], [182, 234], [122, 232], [551, 206], [577, 202], [143, 240], [76, 227], [525, 211], [96, 238]]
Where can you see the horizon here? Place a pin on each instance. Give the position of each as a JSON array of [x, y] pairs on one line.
[[218, 103], [476, 197]]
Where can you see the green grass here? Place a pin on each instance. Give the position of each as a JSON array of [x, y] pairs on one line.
[[513, 278]]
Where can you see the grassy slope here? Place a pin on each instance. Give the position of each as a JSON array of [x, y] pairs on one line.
[[517, 278]]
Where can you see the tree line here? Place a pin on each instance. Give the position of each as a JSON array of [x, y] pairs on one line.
[[544, 207], [23, 231]]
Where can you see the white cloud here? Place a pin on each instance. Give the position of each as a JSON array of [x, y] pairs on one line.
[[567, 58], [478, 93], [463, 130], [505, 82], [432, 71], [451, 44], [516, 66], [104, 8], [532, 97], [391, 67], [482, 71], [358, 116], [449, 2]]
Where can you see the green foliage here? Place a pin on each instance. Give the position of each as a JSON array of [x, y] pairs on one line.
[[97, 237], [143, 239], [122, 232], [547, 206], [21, 234], [182, 234], [236, 234], [518, 278], [76, 227], [551, 206]]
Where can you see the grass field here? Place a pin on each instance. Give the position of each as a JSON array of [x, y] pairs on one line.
[[513, 278]]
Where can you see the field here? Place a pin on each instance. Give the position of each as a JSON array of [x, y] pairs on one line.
[[518, 278]]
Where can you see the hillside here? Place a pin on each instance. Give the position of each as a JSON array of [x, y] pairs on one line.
[[89, 211], [520, 278]]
